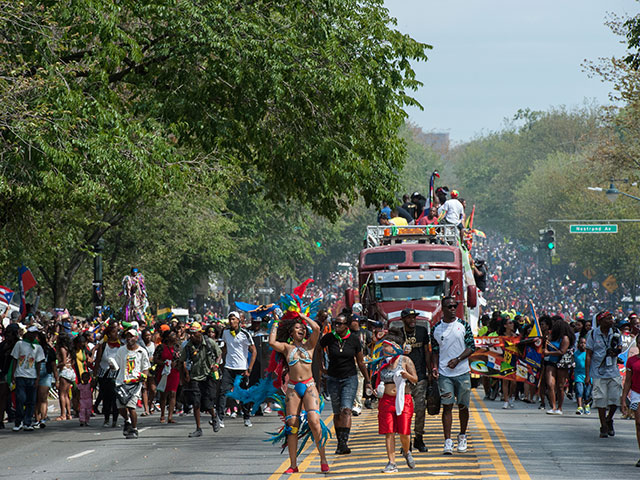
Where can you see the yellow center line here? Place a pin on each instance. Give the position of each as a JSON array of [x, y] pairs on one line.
[[285, 464], [515, 461], [495, 456]]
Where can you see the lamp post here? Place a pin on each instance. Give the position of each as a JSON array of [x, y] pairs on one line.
[[612, 193]]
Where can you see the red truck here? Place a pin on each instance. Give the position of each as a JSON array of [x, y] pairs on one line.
[[414, 267]]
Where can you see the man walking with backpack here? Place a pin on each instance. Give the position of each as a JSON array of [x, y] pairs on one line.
[[200, 359]]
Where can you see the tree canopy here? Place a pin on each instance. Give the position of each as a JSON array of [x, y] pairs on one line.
[[151, 122]]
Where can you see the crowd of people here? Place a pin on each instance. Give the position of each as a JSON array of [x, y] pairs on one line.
[[120, 367], [116, 369]]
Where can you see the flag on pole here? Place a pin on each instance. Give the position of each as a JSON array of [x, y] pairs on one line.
[[5, 295], [26, 281], [432, 188], [535, 331], [26, 278]]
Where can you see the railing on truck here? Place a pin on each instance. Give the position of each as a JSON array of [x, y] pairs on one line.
[[391, 235]]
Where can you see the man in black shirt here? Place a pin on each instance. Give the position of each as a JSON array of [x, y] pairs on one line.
[[409, 206], [344, 350], [416, 342]]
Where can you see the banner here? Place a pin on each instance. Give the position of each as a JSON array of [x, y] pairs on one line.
[[510, 358]]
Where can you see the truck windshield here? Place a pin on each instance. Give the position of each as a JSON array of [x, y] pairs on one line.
[[398, 291]]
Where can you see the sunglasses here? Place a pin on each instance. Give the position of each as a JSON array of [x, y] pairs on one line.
[[339, 323], [451, 305]]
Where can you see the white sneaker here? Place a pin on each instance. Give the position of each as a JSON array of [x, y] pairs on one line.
[[448, 447], [505, 405], [356, 411], [267, 410], [247, 423], [511, 401], [462, 443], [17, 428]]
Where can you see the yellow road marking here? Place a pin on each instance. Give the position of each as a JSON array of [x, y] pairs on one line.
[[515, 461], [493, 451]]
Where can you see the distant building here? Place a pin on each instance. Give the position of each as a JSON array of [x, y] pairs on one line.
[[439, 142]]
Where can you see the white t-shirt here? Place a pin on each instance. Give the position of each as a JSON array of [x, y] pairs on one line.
[[131, 364], [27, 356], [237, 349], [450, 338], [453, 211]]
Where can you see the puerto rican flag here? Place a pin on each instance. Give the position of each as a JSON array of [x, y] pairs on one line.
[[5, 295]]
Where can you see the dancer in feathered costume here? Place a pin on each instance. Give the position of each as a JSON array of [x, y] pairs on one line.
[[287, 339], [135, 297]]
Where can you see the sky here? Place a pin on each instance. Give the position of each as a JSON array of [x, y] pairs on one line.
[[493, 57]]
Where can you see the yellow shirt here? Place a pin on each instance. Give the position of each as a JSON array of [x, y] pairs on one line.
[[399, 221]]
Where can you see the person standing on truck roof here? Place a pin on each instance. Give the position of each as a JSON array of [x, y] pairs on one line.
[[452, 343], [409, 206], [453, 211], [415, 339], [420, 202]]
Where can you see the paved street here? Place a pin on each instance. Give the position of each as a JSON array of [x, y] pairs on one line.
[[521, 443]]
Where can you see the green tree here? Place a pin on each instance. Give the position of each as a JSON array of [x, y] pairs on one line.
[[110, 107]]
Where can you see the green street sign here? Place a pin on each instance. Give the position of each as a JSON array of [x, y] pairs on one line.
[[593, 228]]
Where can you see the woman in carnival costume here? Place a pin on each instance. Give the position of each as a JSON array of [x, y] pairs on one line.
[[287, 338], [392, 370]]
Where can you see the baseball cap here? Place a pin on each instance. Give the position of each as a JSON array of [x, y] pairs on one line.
[[164, 327], [407, 312], [33, 328], [234, 314], [131, 331]]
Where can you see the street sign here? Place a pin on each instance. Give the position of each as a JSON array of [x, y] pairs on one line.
[[613, 228], [610, 284]]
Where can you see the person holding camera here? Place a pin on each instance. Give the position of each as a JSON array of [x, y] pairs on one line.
[[603, 347]]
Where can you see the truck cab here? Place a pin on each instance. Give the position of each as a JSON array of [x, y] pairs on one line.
[[414, 267]]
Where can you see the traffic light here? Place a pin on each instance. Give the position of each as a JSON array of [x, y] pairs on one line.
[[550, 239], [547, 239]]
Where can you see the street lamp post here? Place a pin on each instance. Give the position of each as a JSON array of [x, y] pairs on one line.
[[612, 193]]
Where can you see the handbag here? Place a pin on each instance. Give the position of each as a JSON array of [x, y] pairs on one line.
[[433, 398]]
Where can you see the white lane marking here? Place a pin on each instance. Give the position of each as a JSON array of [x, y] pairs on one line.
[[81, 454], [143, 429]]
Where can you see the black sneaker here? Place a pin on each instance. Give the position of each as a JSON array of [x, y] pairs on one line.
[[127, 428], [419, 445], [215, 422], [197, 433], [133, 433], [603, 432], [610, 431], [343, 450], [638, 464]]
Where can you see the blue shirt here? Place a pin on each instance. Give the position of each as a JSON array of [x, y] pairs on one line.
[[579, 372]]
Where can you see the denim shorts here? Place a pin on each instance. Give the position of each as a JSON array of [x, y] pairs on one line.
[[342, 392], [583, 390], [455, 390]]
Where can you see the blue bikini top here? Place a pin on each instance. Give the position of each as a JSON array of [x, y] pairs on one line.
[[305, 357]]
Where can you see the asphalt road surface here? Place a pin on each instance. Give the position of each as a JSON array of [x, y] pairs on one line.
[[520, 443]]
